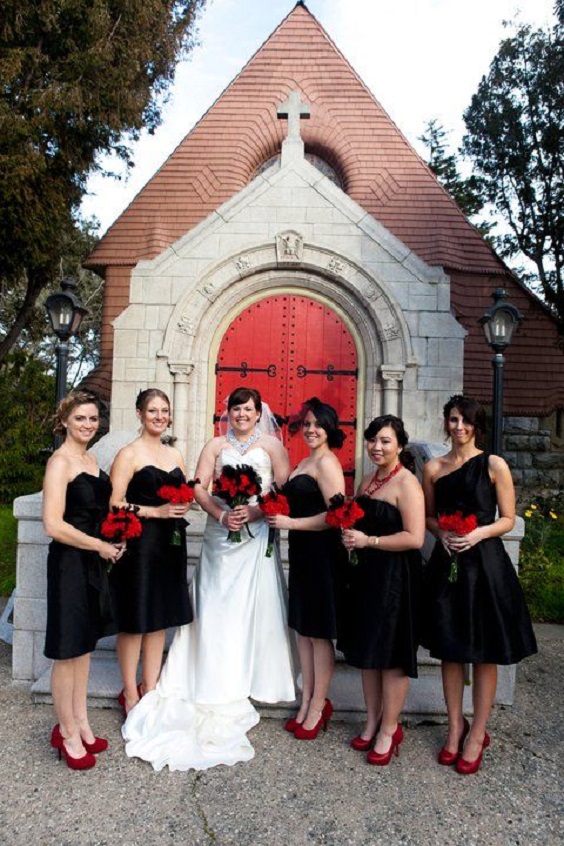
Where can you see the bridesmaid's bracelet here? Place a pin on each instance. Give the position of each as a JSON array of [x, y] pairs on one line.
[[220, 518], [374, 540]]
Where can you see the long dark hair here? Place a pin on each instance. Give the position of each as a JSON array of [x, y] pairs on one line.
[[472, 413]]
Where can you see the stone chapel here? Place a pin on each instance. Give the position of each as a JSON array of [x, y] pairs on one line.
[[295, 242]]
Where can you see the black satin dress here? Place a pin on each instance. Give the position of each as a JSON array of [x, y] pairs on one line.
[[78, 599], [315, 562], [149, 583], [482, 617], [382, 604]]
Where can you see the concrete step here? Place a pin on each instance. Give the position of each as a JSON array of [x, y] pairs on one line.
[[425, 697]]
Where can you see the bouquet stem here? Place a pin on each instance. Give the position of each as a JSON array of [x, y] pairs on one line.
[[453, 573]]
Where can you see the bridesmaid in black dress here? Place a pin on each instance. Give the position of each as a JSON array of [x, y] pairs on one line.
[[479, 615], [314, 552], [381, 633], [149, 587], [75, 501]]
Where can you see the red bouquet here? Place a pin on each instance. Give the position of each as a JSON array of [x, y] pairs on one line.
[[273, 502], [458, 525], [120, 525], [343, 514], [183, 493], [236, 486]]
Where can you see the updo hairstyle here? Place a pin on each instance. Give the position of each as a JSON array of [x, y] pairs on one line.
[[69, 403], [326, 417], [395, 423]]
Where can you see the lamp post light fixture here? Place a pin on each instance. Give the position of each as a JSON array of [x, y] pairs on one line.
[[499, 324], [65, 315]]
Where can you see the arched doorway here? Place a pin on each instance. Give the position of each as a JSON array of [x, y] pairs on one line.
[[291, 347]]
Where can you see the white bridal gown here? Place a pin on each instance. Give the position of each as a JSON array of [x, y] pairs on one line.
[[237, 647]]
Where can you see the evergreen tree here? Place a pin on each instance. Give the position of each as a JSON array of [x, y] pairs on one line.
[[78, 78], [515, 138]]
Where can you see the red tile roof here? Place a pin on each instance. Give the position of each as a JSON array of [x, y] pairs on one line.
[[379, 170]]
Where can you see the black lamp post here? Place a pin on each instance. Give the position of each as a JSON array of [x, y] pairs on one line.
[[65, 315], [499, 324]]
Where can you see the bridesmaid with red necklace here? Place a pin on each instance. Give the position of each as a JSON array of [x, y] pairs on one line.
[[380, 633]]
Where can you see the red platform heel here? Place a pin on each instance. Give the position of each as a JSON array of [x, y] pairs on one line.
[[382, 759], [446, 758], [465, 767], [85, 763], [302, 733]]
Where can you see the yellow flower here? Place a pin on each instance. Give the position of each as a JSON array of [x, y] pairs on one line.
[[534, 507], [528, 513], [553, 515]]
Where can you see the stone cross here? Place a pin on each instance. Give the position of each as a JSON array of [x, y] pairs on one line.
[[294, 110]]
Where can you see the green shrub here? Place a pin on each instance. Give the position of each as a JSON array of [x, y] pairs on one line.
[[8, 542], [541, 560], [27, 399]]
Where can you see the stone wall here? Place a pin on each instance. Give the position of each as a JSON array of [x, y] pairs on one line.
[[528, 449]]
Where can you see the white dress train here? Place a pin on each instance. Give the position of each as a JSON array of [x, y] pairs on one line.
[[237, 647]]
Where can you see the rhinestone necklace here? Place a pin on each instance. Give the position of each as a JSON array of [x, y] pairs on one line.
[[377, 483], [242, 446]]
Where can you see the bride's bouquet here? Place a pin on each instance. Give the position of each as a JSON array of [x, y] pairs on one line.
[[235, 486]]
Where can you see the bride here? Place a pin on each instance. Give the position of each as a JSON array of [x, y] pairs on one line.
[[238, 645]]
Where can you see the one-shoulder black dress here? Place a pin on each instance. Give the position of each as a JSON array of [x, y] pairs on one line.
[[482, 617], [315, 559], [78, 599], [381, 621], [149, 583]]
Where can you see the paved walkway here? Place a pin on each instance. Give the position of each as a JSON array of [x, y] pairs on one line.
[[320, 793]]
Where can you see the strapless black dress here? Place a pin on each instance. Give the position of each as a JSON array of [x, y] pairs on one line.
[[78, 599], [482, 618], [380, 630], [149, 583], [316, 560]]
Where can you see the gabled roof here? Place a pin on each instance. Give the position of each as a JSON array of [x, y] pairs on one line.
[[348, 128]]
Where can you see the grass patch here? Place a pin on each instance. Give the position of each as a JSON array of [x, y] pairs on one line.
[[8, 545], [541, 561]]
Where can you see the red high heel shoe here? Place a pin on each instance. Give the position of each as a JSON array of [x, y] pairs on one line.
[[465, 767], [100, 744], [384, 758], [361, 744], [302, 733], [446, 758], [85, 763], [291, 725]]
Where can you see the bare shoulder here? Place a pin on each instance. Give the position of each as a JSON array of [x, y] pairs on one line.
[[498, 467], [271, 445], [409, 481], [434, 468], [59, 465], [328, 465]]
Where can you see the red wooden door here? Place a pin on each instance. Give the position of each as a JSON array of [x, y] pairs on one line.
[[290, 348]]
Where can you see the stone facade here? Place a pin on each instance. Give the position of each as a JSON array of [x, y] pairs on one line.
[[528, 449], [290, 230]]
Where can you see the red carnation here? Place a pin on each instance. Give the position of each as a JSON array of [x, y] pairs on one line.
[[178, 494], [343, 514], [273, 503], [459, 525]]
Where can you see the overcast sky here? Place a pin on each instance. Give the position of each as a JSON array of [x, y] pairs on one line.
[[421, 59]]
